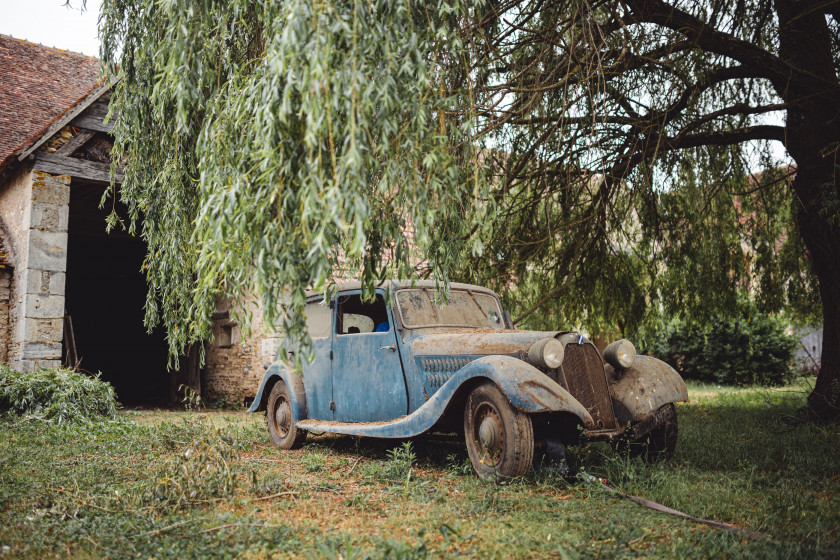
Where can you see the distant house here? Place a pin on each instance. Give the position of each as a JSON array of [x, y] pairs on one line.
[[69, 292]]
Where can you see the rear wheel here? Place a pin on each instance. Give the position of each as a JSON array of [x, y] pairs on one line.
[[279, 419], [499, 438]]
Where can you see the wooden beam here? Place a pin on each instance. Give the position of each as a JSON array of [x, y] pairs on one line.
[[92, 122], [75, 143], [220, 316], [70, 114], [79, 168]]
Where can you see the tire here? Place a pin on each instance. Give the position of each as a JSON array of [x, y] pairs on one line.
[[279, 420], [659, 444], [499, 438]]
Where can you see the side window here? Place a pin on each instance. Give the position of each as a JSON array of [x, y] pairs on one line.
[[357, 317], [318, 315]]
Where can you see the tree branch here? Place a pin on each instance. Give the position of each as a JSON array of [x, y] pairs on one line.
[[727, 137], [709, 39], [737, 109]]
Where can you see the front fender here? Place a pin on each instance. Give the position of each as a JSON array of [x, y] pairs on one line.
[[644, 388], [525, 386], [293, 381]]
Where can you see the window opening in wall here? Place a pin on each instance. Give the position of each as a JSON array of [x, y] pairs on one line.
[[225, 339], [358, 317]]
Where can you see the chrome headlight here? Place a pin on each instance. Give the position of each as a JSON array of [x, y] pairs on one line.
[[620, 354], [546, 353]]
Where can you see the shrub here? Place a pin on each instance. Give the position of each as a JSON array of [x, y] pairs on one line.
[[748, 350], [206, 467], [57, 395]]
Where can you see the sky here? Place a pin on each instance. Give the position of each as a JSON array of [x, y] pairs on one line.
[[51, 23]]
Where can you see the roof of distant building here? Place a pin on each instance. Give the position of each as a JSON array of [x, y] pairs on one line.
[[37, 85]]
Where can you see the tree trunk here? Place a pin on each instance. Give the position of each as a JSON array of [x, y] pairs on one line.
[[813, 135], [821, 233]]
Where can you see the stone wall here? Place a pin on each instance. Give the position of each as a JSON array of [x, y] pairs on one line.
[[235, 364], [5, 326], [15, 199], [34, 207]]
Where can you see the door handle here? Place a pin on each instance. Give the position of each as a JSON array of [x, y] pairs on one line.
[[392, 348]]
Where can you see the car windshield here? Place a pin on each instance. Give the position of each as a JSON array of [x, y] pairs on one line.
[[426, 308]]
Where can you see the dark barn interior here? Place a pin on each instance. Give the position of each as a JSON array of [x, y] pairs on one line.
[[105, 294]]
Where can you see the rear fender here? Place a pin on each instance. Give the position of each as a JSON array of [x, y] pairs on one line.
[[644, 388], [294, 382]]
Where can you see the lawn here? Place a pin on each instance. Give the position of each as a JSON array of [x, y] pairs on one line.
[[207, 484]]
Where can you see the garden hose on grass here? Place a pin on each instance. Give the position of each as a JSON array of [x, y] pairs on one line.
[[602, 482]]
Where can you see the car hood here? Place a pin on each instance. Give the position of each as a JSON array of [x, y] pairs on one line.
[[478, 343]]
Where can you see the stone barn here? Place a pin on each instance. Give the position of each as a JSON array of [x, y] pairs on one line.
[[70, 293]]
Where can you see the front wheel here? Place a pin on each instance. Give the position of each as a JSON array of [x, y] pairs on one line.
[[279, 419], [659, 443], [499, 438]]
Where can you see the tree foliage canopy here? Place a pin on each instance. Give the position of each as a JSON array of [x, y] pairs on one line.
[[294, 142], [589, 157], [630, 133]]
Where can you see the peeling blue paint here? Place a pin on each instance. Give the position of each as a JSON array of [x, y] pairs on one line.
[[399, 382]]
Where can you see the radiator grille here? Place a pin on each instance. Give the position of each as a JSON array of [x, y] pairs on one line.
[[588, 384]]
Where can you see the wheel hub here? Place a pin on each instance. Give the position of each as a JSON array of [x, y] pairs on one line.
[[488, 433], [281, 418]]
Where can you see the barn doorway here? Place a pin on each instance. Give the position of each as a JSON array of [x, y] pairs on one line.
[[104, 297]]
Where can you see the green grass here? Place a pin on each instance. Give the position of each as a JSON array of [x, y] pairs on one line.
[[209, 485]]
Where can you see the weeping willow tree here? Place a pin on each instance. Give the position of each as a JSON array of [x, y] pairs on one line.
[[629, 134], [589, 158], [270, 147]]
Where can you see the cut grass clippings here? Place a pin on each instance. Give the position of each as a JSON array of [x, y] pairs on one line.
[[209, 485]]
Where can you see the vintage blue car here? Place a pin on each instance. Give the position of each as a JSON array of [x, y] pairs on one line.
[[408, 364]]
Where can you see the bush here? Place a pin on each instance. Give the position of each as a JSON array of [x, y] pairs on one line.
[[58, 395], [748, 350], [205, 468]]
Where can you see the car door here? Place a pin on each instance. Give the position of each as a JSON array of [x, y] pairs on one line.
[[367, 374], [317, 374]]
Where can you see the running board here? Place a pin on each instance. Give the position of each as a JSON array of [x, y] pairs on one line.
[[403, 427]]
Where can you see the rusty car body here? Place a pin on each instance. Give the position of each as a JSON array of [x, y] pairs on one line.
[[407, 364]]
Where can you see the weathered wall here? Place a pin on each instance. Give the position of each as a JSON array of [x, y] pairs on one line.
[[5, 327], [234, 366], [15, 199], [809, 353], [34, 208]]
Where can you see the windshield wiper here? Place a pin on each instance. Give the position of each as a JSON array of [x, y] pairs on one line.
[[486, 316], [432, 301]]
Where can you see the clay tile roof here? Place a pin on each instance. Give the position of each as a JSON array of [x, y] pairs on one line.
[[37, 85]]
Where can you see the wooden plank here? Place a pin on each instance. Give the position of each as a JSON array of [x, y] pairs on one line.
[[98, 108], [65, 118], [75, 143], [70, 343], [79, 168], [92, 122]]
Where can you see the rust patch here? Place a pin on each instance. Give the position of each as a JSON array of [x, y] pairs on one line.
[[477, 342], [646, 386]]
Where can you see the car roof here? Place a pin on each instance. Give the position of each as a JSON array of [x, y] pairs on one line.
[[395, 284]]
